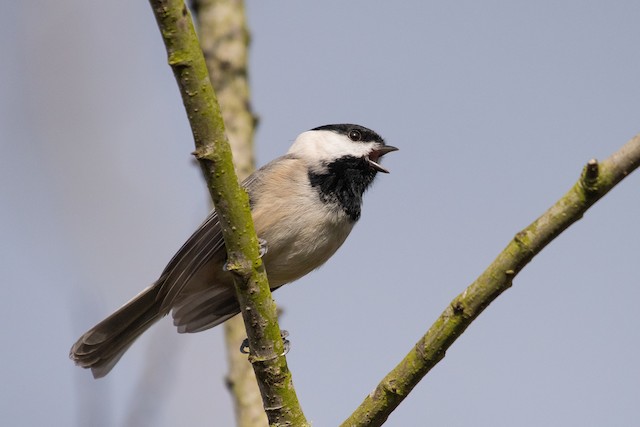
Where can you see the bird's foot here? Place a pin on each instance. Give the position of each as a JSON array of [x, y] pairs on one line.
[[263, 247], [244, 347], [262, 250]]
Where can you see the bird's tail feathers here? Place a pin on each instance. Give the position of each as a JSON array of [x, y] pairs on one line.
[[102, 346]]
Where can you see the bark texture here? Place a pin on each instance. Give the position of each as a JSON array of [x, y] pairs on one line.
[[224, 38], [232, 204]]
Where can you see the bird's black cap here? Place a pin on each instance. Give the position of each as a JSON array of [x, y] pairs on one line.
[[354, 132]]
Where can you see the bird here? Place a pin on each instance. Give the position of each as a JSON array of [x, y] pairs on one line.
[[303, 204]]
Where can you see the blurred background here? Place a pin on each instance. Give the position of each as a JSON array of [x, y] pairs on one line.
[[496, 106]]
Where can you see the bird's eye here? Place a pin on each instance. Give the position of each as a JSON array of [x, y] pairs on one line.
[[355, 135]]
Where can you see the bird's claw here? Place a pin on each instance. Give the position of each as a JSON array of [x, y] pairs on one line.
[[262, 250], [286, 342], [263, 247], [244, 347]]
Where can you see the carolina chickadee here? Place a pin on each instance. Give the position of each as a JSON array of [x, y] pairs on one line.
[[304, 205]]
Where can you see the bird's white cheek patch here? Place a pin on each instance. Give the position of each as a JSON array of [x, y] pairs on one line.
[[327, 146]]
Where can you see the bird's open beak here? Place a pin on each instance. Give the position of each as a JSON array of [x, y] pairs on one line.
[[374, 157]]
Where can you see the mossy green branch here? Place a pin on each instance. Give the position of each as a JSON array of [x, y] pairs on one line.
[[232, 204], [224, 38], [596, 180]]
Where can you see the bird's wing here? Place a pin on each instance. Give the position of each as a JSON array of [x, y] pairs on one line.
[[203, 245], [200, 248]]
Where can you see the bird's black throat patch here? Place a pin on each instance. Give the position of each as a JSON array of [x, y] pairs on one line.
[[344, 183]]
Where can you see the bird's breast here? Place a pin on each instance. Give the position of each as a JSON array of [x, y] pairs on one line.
[[301, 231], [301, 242]]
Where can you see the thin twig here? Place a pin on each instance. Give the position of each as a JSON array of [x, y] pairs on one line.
[[597, 179]]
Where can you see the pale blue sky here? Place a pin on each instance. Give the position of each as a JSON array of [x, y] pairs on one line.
[[495, 106]]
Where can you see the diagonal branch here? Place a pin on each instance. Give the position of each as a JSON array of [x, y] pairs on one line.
[[224, 38], [232, 204], [597, 179]]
